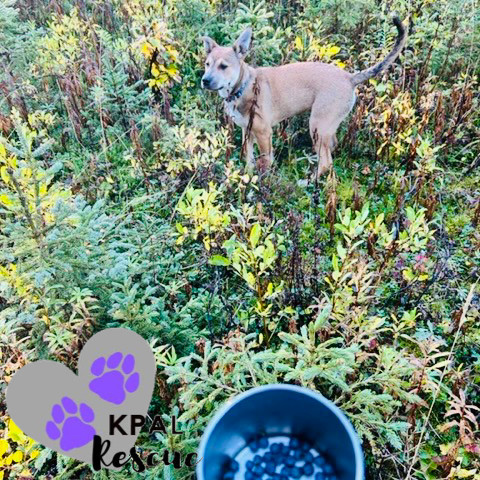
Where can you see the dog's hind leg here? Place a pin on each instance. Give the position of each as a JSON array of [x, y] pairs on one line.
[[322, 144], [334, 143], [323, 127], [324, 153]]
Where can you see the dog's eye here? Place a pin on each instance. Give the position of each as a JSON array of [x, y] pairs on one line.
[[223, 66], [207, 64]]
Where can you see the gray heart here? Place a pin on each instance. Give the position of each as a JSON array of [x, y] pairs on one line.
[[58, 409]]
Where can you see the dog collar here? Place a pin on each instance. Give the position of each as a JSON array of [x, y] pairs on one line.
[[235, 95]]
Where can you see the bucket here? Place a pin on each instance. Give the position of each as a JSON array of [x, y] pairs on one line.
[[276, 412]]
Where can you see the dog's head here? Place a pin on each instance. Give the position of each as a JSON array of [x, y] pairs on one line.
[[224, 64]]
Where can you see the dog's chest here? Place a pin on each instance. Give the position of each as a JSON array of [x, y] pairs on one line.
[[239, 118]]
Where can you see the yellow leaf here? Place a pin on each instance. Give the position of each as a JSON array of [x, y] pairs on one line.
[[18, 456], [147, 49], [12, 161], [206, 243], [463, 473], [3, 173], [3, 151], [4, 446], [5, 199], [298, 43], [332, 50], [35, 454], [172, 70], [15, 433], [155, 70]]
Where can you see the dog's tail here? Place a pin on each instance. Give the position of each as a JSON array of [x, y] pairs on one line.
[[360, 77]]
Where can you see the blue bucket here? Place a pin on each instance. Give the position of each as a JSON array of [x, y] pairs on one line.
[[277, 411]]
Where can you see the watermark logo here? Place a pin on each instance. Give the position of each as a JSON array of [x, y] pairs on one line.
[[73, 414]]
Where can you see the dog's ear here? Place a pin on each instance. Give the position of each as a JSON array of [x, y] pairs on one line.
[[209, 44], [242, 44]]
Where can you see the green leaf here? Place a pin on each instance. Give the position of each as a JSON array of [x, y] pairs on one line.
[[346, 218], [250, 279], [342, 252], [335, 263], [219, 261], [255, 233]]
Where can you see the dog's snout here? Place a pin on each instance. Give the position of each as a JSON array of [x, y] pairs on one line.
[[206, 82]]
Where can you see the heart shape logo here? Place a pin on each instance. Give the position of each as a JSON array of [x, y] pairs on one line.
[[63, 411]]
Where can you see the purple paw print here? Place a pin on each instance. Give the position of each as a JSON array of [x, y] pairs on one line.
[[70, 424], [112, 385]]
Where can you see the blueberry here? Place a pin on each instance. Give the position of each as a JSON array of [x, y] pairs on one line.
[[267, 457], [270, 467], [305, 447], [290, 461], [258, 470], [308, 469], [251, 476], [285, 450], [229, 476], [249, 465], [234, 466], [318, 476], [285, 471], [308, 457], [296, 472], [257, 460], [263, 442], [296, 454], [294, 443], [328, 469], [319, 461], [254, 446], [275, 448]]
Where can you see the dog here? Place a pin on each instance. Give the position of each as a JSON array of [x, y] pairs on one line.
[[259, 98]]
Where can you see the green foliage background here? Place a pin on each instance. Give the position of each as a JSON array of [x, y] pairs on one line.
[[123, 202]]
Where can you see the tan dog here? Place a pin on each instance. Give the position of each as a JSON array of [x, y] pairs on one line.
[[326, 90]]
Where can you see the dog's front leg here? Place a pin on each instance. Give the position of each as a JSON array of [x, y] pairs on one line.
[[264, 141], [248, 145]]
